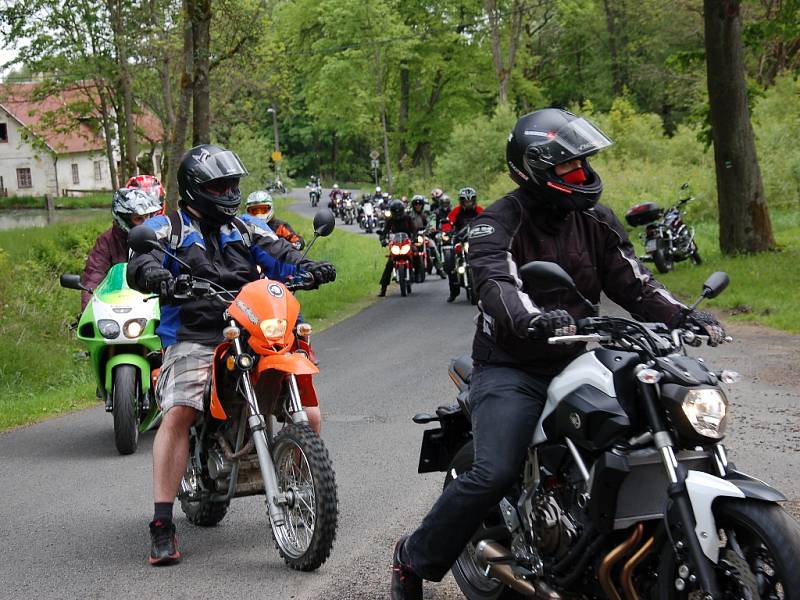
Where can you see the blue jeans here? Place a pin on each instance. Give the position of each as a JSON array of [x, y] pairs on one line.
[[506, 404]]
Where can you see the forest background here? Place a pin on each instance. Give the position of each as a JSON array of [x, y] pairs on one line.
[[433, 86]]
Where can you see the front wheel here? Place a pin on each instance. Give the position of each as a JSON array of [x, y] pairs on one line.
[[401, 279], [305, 476], [758, 560], [125, 394], [662, 257], [695, 256]]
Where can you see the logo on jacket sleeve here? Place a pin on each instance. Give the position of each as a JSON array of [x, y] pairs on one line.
[[480, 231]]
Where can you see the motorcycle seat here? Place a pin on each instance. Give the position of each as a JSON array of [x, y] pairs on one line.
[[462, 367]]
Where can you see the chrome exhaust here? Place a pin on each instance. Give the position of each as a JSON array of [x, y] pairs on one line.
[[496, 562]]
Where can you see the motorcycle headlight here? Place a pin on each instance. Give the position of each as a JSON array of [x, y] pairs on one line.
[[706, 409], [109, 328], [273, 328], [395, 249], [405, 248], [387, 214], [461, 270], [420, 239], [134, 328]]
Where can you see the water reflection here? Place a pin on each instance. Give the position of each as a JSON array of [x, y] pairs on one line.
[[15, 219]]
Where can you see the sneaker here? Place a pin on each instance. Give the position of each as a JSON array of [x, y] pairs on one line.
[[406, 585], [163, 544]]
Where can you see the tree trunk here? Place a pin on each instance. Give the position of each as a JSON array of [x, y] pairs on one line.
[[503, 72], [178, 134], [200, 11], [744, 224], [402, 118], [613, 47], [168, 121], [386, 159], [107, 133], [121, 46]]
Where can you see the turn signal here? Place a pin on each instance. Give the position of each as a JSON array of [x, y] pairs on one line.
[[304, 329]]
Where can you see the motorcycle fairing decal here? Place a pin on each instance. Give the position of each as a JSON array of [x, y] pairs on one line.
[[703, 489], [295, 363], [248, 312], [480, 231]]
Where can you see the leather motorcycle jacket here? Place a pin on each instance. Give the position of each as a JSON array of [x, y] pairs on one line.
[[590, 245]]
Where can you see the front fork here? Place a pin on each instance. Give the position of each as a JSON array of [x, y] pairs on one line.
[[258, 429], [678, 492]]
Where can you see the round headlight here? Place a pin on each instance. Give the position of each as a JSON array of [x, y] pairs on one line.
[[395, 249], [134, 328], [706, 409], [273, 328], [405, 248], [109, 328]]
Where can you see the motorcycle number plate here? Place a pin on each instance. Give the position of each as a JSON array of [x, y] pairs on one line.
[[650, 245]]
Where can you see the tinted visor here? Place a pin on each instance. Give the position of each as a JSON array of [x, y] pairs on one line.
[[222, 165], [576, 139]]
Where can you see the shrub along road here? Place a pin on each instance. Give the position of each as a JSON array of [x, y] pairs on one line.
[[75, 512]]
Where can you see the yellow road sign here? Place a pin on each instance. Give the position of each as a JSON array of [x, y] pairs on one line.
[[277, 156]]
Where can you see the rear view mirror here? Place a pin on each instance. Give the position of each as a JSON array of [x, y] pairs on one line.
[[142, 239], [324, 222], [70, 281], [545, 275], [715, 284]]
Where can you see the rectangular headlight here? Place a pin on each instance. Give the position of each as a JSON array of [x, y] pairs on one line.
[[706, 409]]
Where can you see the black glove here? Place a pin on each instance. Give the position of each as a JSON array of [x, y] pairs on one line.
[[552, 323], [708, 324], [158, 281], [323, 272]]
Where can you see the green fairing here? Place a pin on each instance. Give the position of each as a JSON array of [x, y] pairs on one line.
[[137, 361]]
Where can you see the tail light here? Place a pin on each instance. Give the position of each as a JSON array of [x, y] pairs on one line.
[[458, 247]]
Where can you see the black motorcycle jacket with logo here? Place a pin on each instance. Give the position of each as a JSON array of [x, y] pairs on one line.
[[220, 254], [404, 224], [590, 245]]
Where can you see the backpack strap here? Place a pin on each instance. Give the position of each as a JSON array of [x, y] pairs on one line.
[[247, 236], [176, 229]]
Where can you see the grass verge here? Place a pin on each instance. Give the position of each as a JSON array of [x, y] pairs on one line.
[[94, 200], [40, 373]]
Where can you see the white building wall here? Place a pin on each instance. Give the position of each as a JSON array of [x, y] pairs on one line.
[[87, 182], [15, 154]]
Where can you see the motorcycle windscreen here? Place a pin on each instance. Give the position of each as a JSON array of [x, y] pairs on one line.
[[114, 287]]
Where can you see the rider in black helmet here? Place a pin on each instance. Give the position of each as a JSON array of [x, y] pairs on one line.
[[552, 216], [399, 222], [208, 181]]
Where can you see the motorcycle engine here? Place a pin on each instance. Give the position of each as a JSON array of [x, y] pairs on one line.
[[554, 529]]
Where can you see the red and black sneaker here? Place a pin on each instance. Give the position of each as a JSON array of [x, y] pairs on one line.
[[406, 585], [163, 543]]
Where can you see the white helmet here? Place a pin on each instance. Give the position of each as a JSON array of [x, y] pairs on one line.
[[133, 201], [336, 186], [378, 189], [259, 204]]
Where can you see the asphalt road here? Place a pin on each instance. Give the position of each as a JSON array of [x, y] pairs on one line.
[[74, 513]]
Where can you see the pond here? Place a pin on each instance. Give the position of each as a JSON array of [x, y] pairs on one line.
[[15, 219]]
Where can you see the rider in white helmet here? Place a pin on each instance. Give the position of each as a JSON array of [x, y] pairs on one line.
[[260, 205]]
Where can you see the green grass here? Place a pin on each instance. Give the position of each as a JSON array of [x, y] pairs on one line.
[[94, 200], [764, 288], [40, 375]]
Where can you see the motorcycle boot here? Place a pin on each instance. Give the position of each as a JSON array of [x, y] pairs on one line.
[[382, 293], [406, 585], [163, 543], [454, 292]]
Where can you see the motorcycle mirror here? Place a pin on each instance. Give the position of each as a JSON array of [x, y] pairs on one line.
[[685, 186], [324, 222], [72, 282], [715, 284], [142, 239], [422, 418], [540, 274]]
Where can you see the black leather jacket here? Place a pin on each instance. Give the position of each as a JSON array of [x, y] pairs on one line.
[[590, 245]]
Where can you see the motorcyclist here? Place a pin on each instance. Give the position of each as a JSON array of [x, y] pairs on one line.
[[149, 184], [206, 235], [377, 197], [129, 207], [442, 211], [553, 215], [461, 216], [399, 222], [334, 197], [418, 212], [260, 205], [436, 197]]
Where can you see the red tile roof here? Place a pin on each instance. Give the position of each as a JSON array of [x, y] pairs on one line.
[[67, 120]]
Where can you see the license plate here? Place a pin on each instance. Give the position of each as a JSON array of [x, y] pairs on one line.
[[650, 246]]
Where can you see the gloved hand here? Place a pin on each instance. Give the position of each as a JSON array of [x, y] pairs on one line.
[[551, 323], [323, 272], [159, 281], [708, 324]]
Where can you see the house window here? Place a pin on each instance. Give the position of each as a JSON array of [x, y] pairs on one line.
[[24, 178], [75, 177], [98, 170], [3, 132]]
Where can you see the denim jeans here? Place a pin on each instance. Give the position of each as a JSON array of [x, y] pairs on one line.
[[506, 404]]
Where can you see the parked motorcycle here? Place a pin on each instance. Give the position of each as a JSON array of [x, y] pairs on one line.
[[667, 239], [261, 370], [401, 253], [314, 194], [627, 490], [276, 186], [118, 328]]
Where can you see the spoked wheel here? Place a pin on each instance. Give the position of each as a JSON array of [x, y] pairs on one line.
[[306, 477], [125, 393], [759, 557], [466, 571]]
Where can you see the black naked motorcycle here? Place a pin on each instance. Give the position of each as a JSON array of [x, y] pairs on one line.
[[667, 239], [627, 491]]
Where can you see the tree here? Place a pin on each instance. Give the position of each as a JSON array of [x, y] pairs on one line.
[[744, 224]]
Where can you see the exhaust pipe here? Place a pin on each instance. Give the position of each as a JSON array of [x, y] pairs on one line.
[[496, 561]]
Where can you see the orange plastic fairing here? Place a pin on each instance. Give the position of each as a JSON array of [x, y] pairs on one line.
[[287, 363], [261, 300], [216, 405]]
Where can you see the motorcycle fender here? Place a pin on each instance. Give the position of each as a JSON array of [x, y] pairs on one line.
[[140, 362], [703, 490], [754, 488], [295, 363]]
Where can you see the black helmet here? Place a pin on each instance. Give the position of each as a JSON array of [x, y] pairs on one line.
[[444, 201], [208, 181], [397, 208], [418, 200], [546, 138], [467, 197]]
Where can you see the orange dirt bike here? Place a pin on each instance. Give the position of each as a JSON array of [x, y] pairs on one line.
[[253, 437]]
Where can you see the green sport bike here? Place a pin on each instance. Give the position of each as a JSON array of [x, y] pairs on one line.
[[118, 327]]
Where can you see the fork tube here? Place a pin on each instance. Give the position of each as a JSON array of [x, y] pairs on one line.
[[295, 405], [258, 428]]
